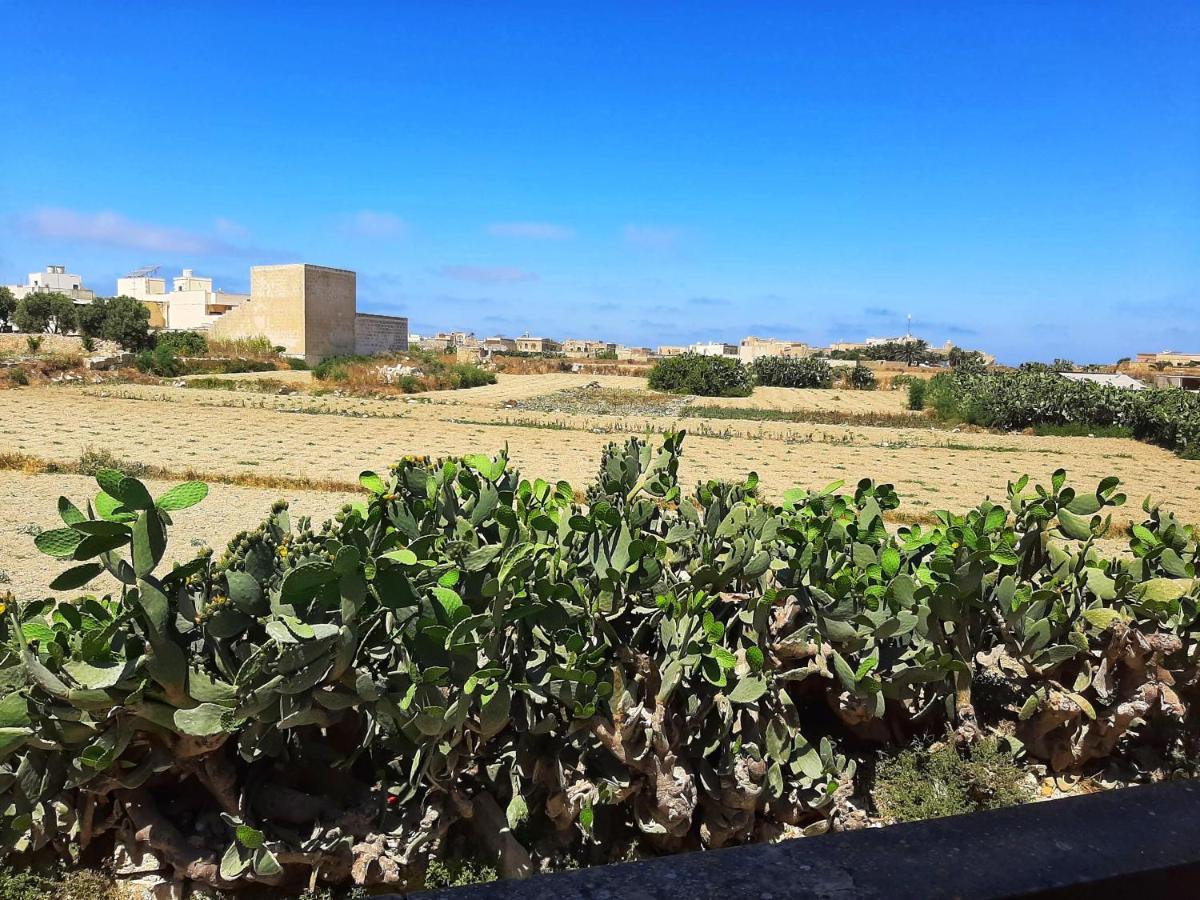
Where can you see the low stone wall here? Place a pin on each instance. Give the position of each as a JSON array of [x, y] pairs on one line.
[[379, 334], [1135, 842], [17, 344]]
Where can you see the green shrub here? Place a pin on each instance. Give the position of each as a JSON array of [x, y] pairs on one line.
[[38, 312], [336, 368], [182, 343], [23, 885], [457, 873], [33, 343], [77, 884], [160, 361], [779, 371], [126, 322], [467, 375], [928, 783], [18, 376], [701, 376], [224, 366], [88, 344], [916, 393], [297, 363]]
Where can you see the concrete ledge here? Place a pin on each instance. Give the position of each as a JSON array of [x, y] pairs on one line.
[[1134, 843]]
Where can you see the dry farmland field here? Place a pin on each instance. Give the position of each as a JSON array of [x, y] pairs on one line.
[[309, 447]]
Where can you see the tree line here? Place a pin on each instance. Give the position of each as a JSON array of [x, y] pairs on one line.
[[123, 320]]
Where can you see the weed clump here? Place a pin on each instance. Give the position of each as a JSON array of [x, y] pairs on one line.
[[93, 459], [942, 780]]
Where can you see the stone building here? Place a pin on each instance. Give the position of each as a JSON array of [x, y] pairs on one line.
[[527, 344], [582, 347], [752, 348], [311, 311]]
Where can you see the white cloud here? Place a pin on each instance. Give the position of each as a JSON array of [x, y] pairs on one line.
[[228, 228], [541, 231], [487, 274], [112, 229], [368, 223], [656, 236]]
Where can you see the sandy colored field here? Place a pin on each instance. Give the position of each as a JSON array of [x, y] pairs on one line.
[[27, 502], [336, 437]]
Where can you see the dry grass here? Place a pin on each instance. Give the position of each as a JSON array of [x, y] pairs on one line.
[[92, 460], [259, 348], [530, 365]]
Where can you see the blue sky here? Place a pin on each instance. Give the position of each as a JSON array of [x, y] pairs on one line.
[[1024, 177]]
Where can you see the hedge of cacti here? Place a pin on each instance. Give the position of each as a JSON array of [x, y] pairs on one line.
[[467, 652], [782, 371], [1014, 400], [700, 375]]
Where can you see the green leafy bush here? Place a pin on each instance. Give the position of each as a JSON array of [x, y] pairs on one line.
[[469, 653], [160, 361], [916, 394], [336, 368], [8, 305], [182, 343], [702, 376], [49, 311], [779, 371], [126, 322]]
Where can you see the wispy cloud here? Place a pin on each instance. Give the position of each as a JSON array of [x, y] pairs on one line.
[[539, 231], [111, 229], [374, 225], [708, 301], [653, 236], [880, 312], [234, 231], [487, 274]]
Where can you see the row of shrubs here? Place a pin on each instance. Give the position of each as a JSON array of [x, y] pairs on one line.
[[1031, 399], [724, 376], [469, 658], [122, 320], [436, 372], [175, 353]]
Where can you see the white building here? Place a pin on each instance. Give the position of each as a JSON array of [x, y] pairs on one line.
[[55, 280], [1119, 380], [714, 348], [191, 303]]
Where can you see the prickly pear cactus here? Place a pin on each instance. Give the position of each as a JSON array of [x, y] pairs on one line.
[[466, 656]]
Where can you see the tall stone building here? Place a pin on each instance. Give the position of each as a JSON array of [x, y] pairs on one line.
[[311, 311]]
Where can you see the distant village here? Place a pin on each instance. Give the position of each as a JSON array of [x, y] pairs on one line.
[[311, 311]]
